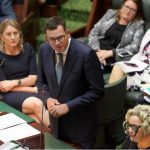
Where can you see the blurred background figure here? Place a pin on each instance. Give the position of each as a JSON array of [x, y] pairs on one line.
[[6, 10]]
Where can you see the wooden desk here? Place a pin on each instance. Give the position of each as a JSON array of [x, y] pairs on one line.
[[44, 141], [34, 142], [8, 109]]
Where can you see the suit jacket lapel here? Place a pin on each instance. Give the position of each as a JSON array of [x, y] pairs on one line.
[[53, 73], [70, 59]]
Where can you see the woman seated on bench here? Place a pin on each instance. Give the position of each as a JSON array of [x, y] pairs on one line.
[[135, 79], [118, 32], [18, 71]]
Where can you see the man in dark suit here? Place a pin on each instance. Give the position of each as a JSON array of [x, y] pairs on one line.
[[71, 99]]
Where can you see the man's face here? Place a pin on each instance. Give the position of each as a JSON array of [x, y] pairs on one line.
[[58, 38]]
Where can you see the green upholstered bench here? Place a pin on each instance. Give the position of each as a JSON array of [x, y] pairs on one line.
[[131, 97], [50, 142]]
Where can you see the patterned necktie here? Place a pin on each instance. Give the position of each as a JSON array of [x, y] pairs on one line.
[[59, 66]]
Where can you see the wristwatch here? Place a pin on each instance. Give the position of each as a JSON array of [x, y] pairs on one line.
[[19, 82]]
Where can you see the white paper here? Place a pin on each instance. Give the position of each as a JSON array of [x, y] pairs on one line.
[[147, 99], [7, 146], [132, 66], [18, 132], [10, 120]]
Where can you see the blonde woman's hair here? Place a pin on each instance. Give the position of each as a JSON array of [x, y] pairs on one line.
[[143, 113], [10, 22]]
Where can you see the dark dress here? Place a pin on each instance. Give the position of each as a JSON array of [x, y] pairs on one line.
[[110, 41], [17, 67]]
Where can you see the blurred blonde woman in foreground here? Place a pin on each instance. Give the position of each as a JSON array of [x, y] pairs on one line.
[[137, 127]]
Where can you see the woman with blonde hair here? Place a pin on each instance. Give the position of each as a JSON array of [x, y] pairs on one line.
[[137, 128], [18, 71]]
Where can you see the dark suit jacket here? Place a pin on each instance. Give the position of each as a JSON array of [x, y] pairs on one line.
[[6, 10], [80, 86]]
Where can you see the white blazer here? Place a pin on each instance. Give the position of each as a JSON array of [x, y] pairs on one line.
[[145, 40], [145, 75]]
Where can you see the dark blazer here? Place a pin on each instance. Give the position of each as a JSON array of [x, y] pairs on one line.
[[6, 10], [80, 86]]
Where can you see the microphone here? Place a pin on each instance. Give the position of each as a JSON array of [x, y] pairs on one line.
[[2, 62], [41, 127]]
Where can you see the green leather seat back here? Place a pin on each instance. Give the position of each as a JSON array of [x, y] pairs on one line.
[[116, 4], [146, 11], [110, 112]]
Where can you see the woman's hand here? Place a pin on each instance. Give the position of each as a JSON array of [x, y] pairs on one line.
[[104, 54], [7, 85], [103, 62]]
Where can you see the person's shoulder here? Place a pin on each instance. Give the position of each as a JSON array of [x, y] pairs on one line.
[[27, 45], [111, 12], [45, 48], [44, 45], [139, 22], [81, 49], [28, 48], [79, 45]]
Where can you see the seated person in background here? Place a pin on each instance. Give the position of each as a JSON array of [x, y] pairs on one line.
[[118, 31], [137, 128], [135, 79], [6, 10], [18, 71]]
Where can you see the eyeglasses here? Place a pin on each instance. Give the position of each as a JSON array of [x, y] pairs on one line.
[[134, 127], [59, 38], [133, 10], [9, 34]]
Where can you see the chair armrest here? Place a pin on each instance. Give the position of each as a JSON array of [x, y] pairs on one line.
[[132, 97]]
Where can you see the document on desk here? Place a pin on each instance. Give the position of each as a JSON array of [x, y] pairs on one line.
[[9, 120], [132, 66], [18, 132]]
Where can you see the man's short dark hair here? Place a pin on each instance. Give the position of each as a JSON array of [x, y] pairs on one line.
[[54, 22]]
